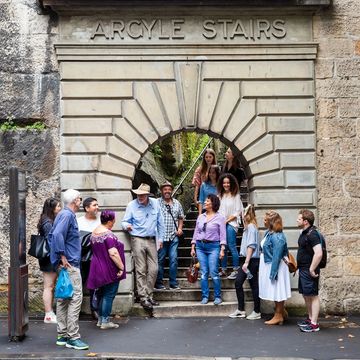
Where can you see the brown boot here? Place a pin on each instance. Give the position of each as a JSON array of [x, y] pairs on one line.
[[278, 318]]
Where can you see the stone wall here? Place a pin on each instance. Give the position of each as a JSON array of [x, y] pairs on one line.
[[337, 30], [29, 92]]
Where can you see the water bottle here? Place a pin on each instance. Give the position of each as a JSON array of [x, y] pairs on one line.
[[249, 275]]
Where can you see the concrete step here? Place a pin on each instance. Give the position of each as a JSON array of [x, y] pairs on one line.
[[195, 309], [185, 284], [182, 268]]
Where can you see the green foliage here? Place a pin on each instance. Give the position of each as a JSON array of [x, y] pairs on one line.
[[10, 125]]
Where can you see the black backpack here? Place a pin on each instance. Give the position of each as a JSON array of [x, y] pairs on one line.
[[323, 260]]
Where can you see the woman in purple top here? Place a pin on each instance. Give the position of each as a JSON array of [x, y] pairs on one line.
[[210, 241], [107, 267]]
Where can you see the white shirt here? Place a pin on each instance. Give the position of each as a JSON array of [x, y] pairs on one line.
[[87, 225], [231, 205]]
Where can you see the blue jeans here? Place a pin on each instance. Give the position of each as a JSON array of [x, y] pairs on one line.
[[231, 245], [106, 295], [208, 255], [170, 249]]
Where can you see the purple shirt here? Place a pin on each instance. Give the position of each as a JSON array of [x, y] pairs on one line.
[[214, 230], [103, 270]]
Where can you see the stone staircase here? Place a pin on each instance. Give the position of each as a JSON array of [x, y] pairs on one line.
[[186, 302]]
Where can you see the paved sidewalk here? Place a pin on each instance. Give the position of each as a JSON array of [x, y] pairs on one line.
[[192, 338]]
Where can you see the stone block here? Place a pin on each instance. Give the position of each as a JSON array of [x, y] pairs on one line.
[[77, 181], [357, 48], [117, 70], [349, 108], [88, 126], [259, 89], [112, 199], [120, 149], [335, 266], [125, 131], [271, 198], [329, 185], [335, 47], [337, 88], [261, 147], [297, 160], [285, 106], [275, 179], [289, 124], [138, 120], [149, 99], [79, 162], [127, 285], [225, 106], [84, 144], [294, 142], [122, 235], [300, 178], [244, 113], [122, 304], [109, 182], [348, 67], [255, 130], [352, 187], [324, 68], [265, 164], [352, 265], [258, 70], [169, 99], [326, 108], [96, 89], [94, 107], [337, 166], [289, 217], [350, 147], [336, 128], [327, 148], [340, 206], [350, 224], [115, 166]]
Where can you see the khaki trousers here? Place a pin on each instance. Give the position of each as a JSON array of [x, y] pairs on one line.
[[67, 311], [146, 265]]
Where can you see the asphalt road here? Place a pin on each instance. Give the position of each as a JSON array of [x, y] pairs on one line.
[[339, 338]]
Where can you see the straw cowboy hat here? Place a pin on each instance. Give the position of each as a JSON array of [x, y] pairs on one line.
[[143, 189]]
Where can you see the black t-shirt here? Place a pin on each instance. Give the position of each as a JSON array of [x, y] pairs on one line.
[[307, 240]]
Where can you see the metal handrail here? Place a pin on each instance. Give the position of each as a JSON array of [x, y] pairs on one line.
[[191, 167]]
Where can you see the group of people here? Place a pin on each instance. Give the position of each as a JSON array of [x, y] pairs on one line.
[[154, 226]]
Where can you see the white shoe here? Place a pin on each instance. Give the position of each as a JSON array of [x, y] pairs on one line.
[[233, 275], [238, 314], [98, 324], [254, 316], [50, 318], [109, 325]]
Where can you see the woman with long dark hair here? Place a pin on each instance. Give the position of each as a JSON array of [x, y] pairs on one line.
[[51, 208], [209, 186], [232, 166], [231, 208]]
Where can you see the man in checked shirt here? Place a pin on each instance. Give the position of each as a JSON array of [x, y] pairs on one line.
[[173, 215]]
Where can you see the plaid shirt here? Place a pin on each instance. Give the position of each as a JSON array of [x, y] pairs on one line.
[[176, 211]]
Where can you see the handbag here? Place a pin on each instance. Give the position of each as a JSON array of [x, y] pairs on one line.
[[64, 289], [192, 273], [39, 247], [291, 263]]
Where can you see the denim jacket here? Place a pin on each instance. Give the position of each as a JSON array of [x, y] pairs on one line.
[[274, 249]]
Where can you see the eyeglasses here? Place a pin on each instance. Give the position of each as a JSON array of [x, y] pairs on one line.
[[80, 198], [204, 227]]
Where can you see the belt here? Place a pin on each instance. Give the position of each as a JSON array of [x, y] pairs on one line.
[[145, 237], [208, 241]]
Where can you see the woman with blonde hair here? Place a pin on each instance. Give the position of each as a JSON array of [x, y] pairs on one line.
[[249, 262], [274, 277], [201, 172]]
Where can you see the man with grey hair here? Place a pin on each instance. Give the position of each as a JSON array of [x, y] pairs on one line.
[[65, 251]]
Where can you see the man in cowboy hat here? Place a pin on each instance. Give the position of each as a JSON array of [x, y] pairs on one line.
[[145, 224], [173, 214]]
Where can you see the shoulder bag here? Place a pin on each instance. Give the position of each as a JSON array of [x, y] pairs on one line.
[[39, 247]]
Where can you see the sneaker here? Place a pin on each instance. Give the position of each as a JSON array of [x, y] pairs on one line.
[[310, 328], [254, 316], [98, 324], [109, 325], [303, 323], [237, 314], [160, 287], [77, 344], [204, 301], [233, 274], [175, 287], [61, 340], [50, 318], [217, 301]]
